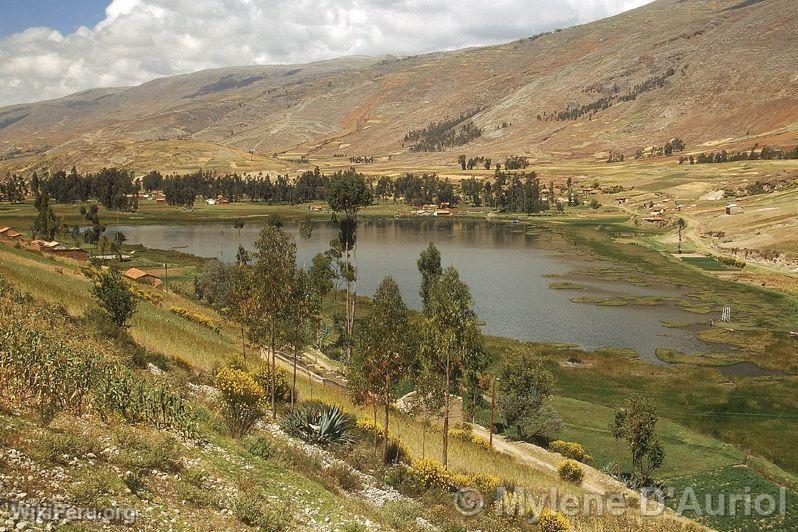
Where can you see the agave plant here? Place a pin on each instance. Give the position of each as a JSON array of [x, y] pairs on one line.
[[319, 424]]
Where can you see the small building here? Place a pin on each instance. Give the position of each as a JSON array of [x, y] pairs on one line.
[[653, 219], [71, 253], [620, 200], [733, 208], [210, 201], [140, 276], [9, 234], [443, 212]]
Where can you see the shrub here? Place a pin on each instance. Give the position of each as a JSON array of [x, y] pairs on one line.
[[199, 319], [344, 477], [113, 295], [264, 378], [570, 450], [144, 453], [250, 508], [246, 507], [397, 452], [486, 484], [467, 435], [553, 521], [242, 397], [430, 474], [196, 496], [571, 471], [320, 424], [260, 447], [134, 481], [61, 447]]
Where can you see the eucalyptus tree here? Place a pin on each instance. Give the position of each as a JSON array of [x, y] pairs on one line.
[[384, 351], [429, 264], [301, 319], [348, 193], [451, 349], [270, 285]]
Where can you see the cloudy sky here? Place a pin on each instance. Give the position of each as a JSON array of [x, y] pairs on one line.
[[50, 48]]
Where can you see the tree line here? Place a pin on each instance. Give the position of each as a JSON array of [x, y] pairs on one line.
[[438, 136], [573, 112], [765, 154]]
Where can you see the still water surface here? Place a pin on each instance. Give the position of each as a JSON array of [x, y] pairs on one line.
[[507, 268]]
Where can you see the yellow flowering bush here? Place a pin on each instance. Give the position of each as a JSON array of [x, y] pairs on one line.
[[368, 426], [570, 450], [571, 471], [199, 319], [430, 474], [468, 436], [487, 484], [242, 399], [553, 521]]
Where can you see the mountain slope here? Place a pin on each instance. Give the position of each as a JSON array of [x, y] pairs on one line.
[[713, 72]]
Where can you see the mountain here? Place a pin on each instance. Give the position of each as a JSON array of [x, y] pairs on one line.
[[716, 73]]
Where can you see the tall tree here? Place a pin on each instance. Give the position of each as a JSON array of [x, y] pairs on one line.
[[525, 387], [384, 350], [271, 280], [301, 319], [348, 193], [680, 225], [46, 224], [451, 342], [636, 424], [429, 264]]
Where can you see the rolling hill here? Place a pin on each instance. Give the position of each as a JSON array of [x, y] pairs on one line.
[[716, 73]]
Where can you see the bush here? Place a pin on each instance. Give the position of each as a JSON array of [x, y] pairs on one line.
[[250, 508], [196, 496], [134, 481], [553, 521], [571, 471], [260, 447], [243, 399], [113, 295], [430, 474], [469, 437], [199, 319], [144, 453], [570, 450], [59, 448], [344, 477], [264, 378], [320, 424]]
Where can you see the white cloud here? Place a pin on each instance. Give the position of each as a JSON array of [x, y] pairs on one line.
[[143, 39]]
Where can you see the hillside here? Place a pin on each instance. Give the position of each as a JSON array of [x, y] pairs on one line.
[[186, 471], [716, 73]]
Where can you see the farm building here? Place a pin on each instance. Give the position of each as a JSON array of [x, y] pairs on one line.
[[140, 276]]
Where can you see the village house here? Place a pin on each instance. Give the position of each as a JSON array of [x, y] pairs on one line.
[[140, 276]]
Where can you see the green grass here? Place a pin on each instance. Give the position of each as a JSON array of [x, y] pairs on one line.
[[707, 263], [734, 480], [685, 450]]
